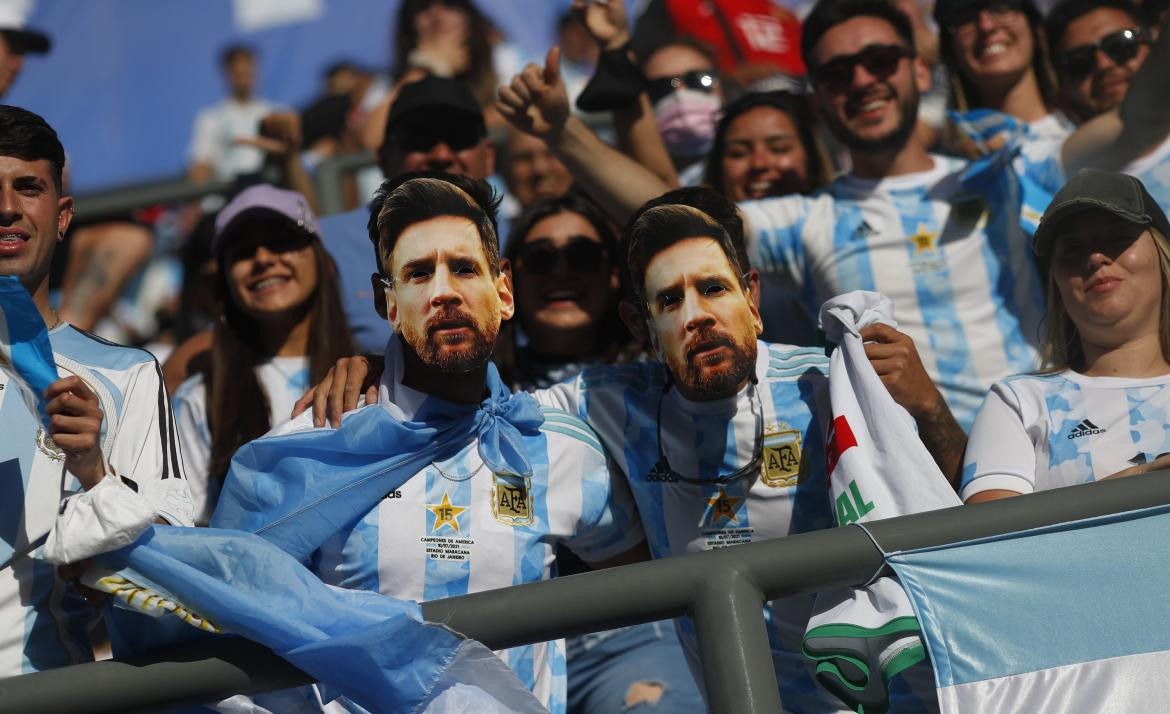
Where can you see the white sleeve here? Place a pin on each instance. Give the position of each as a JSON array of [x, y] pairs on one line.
[[774, 232], [145, 448], [203, 141], [194, 434], [565, 396], [1000, 453]]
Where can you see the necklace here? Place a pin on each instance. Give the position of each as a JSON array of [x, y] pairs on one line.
[[56, 324], [662, 470], [449, 477]]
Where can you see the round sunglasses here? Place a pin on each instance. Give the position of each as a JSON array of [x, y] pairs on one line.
[[1120, 46], [581, 254]]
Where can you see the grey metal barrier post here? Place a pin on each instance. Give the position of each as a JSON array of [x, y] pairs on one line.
[[722, 589]]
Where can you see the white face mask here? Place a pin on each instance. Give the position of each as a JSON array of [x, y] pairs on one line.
[[687, 118]]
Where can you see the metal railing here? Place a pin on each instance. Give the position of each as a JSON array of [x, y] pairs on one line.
[[723, 591]]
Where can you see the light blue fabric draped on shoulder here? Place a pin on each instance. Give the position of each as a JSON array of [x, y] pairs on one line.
[[288, 494]]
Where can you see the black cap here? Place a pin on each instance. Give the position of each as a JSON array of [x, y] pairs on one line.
[[450, 97], [24, 40], [1120, 194]]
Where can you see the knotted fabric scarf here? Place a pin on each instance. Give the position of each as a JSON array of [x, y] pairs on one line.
[[292, 491]]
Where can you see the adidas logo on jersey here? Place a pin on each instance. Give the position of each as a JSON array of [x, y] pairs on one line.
[[863, 231], [1085, 428]]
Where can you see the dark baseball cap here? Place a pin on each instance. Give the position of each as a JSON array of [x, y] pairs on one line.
[[21, 39], [264, 200], [435, 102], [1120, 194]]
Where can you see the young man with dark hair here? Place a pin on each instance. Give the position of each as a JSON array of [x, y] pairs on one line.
[[222, 138], [1098, 49], [99, 458], [490, 512]]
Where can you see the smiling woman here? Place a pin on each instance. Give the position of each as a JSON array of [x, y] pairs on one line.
[[280, 326], [567, 281], [1100, 409]]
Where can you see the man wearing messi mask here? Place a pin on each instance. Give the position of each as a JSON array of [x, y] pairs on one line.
[[490, 509]]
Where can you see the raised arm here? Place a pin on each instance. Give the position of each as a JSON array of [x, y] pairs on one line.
[[535, 102], [1117, 137], [637, 132]]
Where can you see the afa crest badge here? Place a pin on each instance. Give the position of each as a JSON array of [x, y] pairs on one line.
[[512, 499], [781, 457]]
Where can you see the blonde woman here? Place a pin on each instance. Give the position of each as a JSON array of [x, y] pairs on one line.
[[1100, 408]]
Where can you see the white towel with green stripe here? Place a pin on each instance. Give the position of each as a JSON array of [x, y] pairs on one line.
[[862, 637]]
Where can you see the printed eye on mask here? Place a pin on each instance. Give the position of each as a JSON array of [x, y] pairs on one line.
[[687, 119]]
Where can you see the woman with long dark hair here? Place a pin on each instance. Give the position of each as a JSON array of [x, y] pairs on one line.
[[280, 329], [567, 282]]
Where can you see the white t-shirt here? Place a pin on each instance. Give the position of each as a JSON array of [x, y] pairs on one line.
[[216, 129], [42, 621], [948, 246], [283, 379], [1040, 432]]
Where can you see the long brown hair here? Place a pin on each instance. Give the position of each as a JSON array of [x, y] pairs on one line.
[[237, 407], [480, 75], [1062, 348]]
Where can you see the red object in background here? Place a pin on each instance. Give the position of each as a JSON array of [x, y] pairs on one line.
[[763, 33]]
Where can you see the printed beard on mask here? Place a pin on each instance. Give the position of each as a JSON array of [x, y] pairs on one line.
[[715, 374], [686, 118], [461, 351]]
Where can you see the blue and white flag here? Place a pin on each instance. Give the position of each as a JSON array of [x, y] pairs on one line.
[[283, 497], [1067, 618], [24, 343]]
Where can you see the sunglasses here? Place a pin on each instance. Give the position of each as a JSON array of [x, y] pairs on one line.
[[581, 254], [880, 61], [963, 19], [423, 137], [1120, 46], [703, 80]]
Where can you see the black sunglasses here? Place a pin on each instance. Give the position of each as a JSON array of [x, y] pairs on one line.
[[703, 80], [423, 136], [581, 254], [1120, 46], [879, 60]]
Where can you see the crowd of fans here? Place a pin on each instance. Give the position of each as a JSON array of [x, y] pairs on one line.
[[681, 191]]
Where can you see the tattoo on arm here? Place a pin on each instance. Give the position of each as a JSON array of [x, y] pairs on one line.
[[945, 441]]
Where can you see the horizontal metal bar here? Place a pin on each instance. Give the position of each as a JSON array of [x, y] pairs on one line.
[[120, 201], [600, 600]]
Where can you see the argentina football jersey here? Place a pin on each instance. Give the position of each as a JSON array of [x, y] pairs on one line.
[[1037, 432], [456, 527], [1153, 170], [951, 246], [44, 620], [737, 470]]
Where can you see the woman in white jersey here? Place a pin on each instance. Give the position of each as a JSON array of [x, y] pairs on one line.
[[1100, 408], [280, 327]]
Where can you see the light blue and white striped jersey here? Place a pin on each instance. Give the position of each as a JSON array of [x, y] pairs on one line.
[[1037, 432], [42, 621], [456, 528], [950, 246], [283, 379], [1153, 170], [705, 440]]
